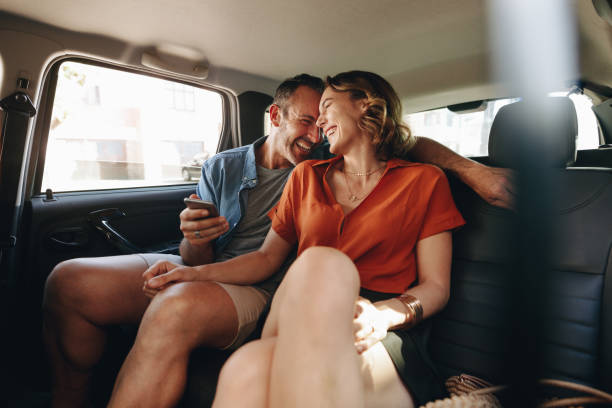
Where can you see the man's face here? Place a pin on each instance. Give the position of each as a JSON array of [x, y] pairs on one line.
[[298, 131]]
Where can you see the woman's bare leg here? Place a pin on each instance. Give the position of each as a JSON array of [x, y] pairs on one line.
[[315, 363], [245, 378], [380, 382], [383, 387], [307, 356]]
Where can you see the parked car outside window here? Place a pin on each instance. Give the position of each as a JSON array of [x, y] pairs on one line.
[[193, 168]]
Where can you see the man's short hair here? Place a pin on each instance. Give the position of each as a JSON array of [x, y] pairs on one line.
[[289, 85]]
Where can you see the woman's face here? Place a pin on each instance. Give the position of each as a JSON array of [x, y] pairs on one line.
[[339, 117]]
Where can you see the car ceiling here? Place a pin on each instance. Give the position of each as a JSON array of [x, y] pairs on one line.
[[427, 49]]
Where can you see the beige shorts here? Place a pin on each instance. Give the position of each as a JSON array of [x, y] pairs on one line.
[[249, 301]]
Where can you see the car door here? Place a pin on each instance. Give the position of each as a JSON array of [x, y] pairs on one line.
[[103, 178]]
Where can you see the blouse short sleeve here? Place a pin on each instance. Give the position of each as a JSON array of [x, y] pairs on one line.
[[441, 215], [282, 214]]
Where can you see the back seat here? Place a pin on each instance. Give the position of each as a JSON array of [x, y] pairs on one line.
[[473, 334]]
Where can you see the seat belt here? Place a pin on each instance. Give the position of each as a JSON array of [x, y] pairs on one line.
[[18, 110]]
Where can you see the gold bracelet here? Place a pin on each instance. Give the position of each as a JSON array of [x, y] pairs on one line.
[[413, 307]]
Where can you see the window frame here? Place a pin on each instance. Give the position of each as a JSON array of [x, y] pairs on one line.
[[42, 124]]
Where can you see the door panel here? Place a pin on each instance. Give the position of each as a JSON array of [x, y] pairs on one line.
[[101, 126], [63, 229]]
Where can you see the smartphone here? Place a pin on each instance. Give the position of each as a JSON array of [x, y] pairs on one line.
[[196, 204]]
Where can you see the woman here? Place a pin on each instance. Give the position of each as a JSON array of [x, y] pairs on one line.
[[366, 223]]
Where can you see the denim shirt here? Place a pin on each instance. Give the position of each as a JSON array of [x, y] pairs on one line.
[[226, 180]]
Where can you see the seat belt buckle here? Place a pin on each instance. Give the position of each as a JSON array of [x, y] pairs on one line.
[[8, 243]]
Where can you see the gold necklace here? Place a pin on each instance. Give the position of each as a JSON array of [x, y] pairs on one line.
[[369, 173], [352, 196]]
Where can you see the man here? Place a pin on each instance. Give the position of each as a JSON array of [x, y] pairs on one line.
[[84, 296]]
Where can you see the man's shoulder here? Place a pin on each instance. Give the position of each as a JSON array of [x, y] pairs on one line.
[[221, 159], [231, 153]]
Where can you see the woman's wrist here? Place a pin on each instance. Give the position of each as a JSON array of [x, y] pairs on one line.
[[413, 310]]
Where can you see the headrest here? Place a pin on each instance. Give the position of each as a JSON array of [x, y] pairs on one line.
[[550, 123]]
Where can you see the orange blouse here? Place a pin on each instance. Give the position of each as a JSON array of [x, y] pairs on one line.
[[412, 201]]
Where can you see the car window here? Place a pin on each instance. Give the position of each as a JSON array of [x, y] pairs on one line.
[[114, 129], [267, 123], [468, 133], [465, 133], [588, 131]]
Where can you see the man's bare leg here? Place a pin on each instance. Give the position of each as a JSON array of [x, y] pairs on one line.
[[81, 297], [179, 319]]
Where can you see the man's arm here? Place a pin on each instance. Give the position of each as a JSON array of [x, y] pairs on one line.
[[197, 246], [196, 254], [493, 184], [245, 269], [198, 235]]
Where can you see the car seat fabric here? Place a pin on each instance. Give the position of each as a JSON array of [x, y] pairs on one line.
[[252, 110], [472, 334]]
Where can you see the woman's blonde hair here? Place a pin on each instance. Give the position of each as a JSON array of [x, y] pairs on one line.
[[383, 116]]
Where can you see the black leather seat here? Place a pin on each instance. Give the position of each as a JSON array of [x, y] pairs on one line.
[[473, 334], [252, 115]]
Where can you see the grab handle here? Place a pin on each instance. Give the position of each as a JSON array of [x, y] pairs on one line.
[[101, 219]]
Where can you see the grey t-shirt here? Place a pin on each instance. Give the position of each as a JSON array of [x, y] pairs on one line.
[[253, 227]]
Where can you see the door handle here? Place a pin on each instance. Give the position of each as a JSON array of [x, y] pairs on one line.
[[101, 219], [72, 237]]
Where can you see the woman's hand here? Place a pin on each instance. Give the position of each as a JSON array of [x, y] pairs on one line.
[[370, 325], [163, 274]]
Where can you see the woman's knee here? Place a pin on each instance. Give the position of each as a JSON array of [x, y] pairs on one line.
[[321, 280], [327, 266], [324, 271]]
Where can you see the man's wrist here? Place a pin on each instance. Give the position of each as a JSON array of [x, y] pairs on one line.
[[193, 254], [200, 246]]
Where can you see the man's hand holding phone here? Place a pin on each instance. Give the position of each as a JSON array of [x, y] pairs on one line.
[[200, 221]]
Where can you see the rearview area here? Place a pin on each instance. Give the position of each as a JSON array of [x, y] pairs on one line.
[[115, 129], [467, 133]]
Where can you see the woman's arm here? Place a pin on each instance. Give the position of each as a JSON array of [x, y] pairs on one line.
[[243, 270], [433, 268]]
